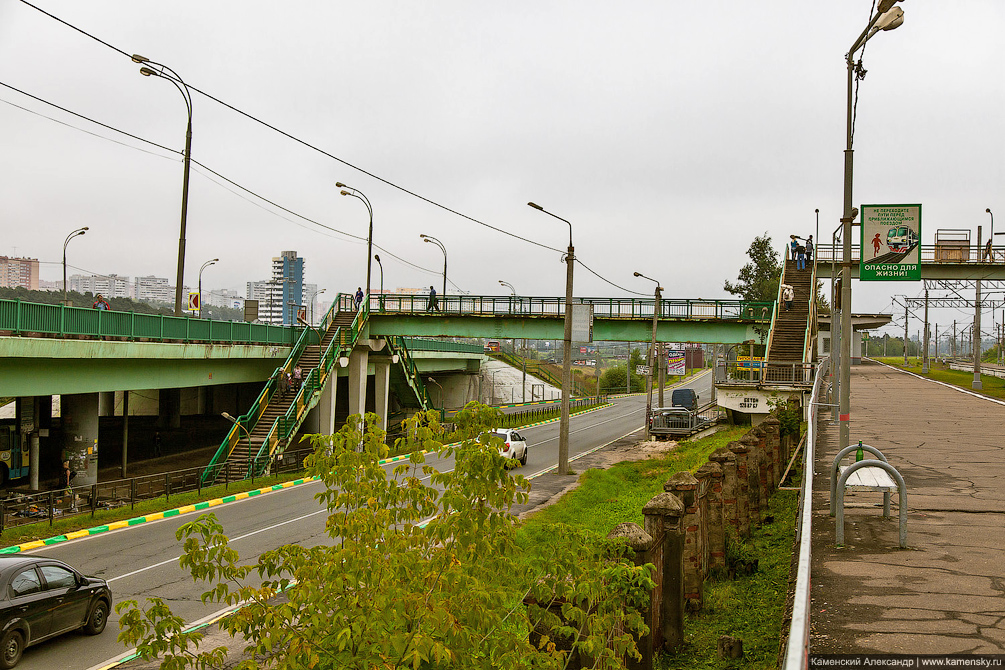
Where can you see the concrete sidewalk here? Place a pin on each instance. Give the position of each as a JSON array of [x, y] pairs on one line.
[[946, 592]]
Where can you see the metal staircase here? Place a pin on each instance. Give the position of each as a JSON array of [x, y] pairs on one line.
[[274, 418], [790, 344]]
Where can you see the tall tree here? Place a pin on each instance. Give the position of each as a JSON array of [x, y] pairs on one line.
[[418, 575], [758, 279]]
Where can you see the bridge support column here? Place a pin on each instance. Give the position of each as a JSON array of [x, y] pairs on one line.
[[106, 403], [169, 408], [79, 413], [358, 360], [381, 389]]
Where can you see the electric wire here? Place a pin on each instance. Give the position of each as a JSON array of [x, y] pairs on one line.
[[334, 157], [203, 166]]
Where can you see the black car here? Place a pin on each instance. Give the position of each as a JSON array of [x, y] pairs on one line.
[[41, 598]]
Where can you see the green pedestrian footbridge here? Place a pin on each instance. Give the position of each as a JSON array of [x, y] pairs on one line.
[[75, 352]]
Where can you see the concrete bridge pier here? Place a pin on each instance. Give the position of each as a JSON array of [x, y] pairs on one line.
[[79, 412], [381, 387]]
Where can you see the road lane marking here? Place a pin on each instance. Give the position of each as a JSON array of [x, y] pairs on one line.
[[233, 539]]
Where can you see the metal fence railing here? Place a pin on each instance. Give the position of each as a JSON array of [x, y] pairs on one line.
[[30, 318], [797, 647], [20, 509], [930, 253], [603, 308], [768, 372]]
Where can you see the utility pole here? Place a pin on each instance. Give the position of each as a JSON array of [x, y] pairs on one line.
[[954, 338], [924, 356], [905, 332], [976, 337]]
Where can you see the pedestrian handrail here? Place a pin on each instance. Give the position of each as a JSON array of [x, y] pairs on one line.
[[930, 253], [604, 308], [247, 422], [797, 647], [21, 509], [432, 344], [18, 317], [795, 373], [412, 375]]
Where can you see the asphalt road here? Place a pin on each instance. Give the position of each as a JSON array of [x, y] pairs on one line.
[[142, 561]]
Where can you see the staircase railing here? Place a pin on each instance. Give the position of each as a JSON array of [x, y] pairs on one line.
[[811, 319], [249, 420], [774, 311], [412, 374], [286, 425]]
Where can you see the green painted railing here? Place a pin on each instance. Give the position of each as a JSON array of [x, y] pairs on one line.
[[537, 369], [30, 318], [249, 420], [603, 308], [400, 346], [307, 397]]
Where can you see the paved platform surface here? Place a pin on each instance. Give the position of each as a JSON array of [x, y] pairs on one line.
[[945, 593]]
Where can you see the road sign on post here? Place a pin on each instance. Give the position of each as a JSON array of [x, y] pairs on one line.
[[193, 302], [891, 243]]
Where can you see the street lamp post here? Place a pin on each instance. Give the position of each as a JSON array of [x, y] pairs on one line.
[[652, 352], [369, 236], [313, 300], [78, 231], [380, 300], [563, 429], [887, 17], [433, 240], [433, 381], [523, 350], [204, 266], [167, 73]]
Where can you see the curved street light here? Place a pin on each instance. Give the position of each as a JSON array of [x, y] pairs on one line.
[[78, 231], [356, 193], [164, 72], [313, 300], [204, 266], [433, 240], [563, 426], [652, 356], [380, 300], [887, 17]]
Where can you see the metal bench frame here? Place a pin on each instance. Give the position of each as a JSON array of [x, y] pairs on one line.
[[839, 481]]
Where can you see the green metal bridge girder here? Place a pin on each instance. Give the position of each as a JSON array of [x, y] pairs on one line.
[[552, 328], [49, 366]]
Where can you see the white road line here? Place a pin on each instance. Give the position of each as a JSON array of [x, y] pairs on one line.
[[233, 539]]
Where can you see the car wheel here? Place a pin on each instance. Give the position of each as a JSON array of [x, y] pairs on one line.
[[523, 459], [11, 649], [99, 617]]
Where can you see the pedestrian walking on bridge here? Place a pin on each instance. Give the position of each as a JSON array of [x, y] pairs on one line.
[[433, 305]]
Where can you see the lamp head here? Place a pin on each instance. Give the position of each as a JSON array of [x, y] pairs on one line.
[[344, 192], [225, 415], [140, 59], [339, 184], [422, 236], [536, 206], [636, 274], [988, 210], [891, 19], [86, 228], [215, 260], [885, 5], [147, 72], [376, 257]]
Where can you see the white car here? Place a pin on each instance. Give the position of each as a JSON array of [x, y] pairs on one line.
[[514, 446]]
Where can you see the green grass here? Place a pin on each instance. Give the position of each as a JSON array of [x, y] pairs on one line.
[[749, 607], [994, 387], [41, 530]]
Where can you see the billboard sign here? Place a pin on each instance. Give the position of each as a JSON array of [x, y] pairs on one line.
[[676, 362], [891, 243]]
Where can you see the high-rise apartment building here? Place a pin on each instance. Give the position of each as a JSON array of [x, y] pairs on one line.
[[110, 286], [281, 297], [19, 272], [153, 289]]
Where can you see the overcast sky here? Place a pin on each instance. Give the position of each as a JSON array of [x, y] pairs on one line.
[[669, 133]]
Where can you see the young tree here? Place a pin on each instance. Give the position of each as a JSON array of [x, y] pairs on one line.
[[422, 575], [758, 279]]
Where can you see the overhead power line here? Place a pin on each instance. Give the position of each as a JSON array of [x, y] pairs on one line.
[[313, 147]]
